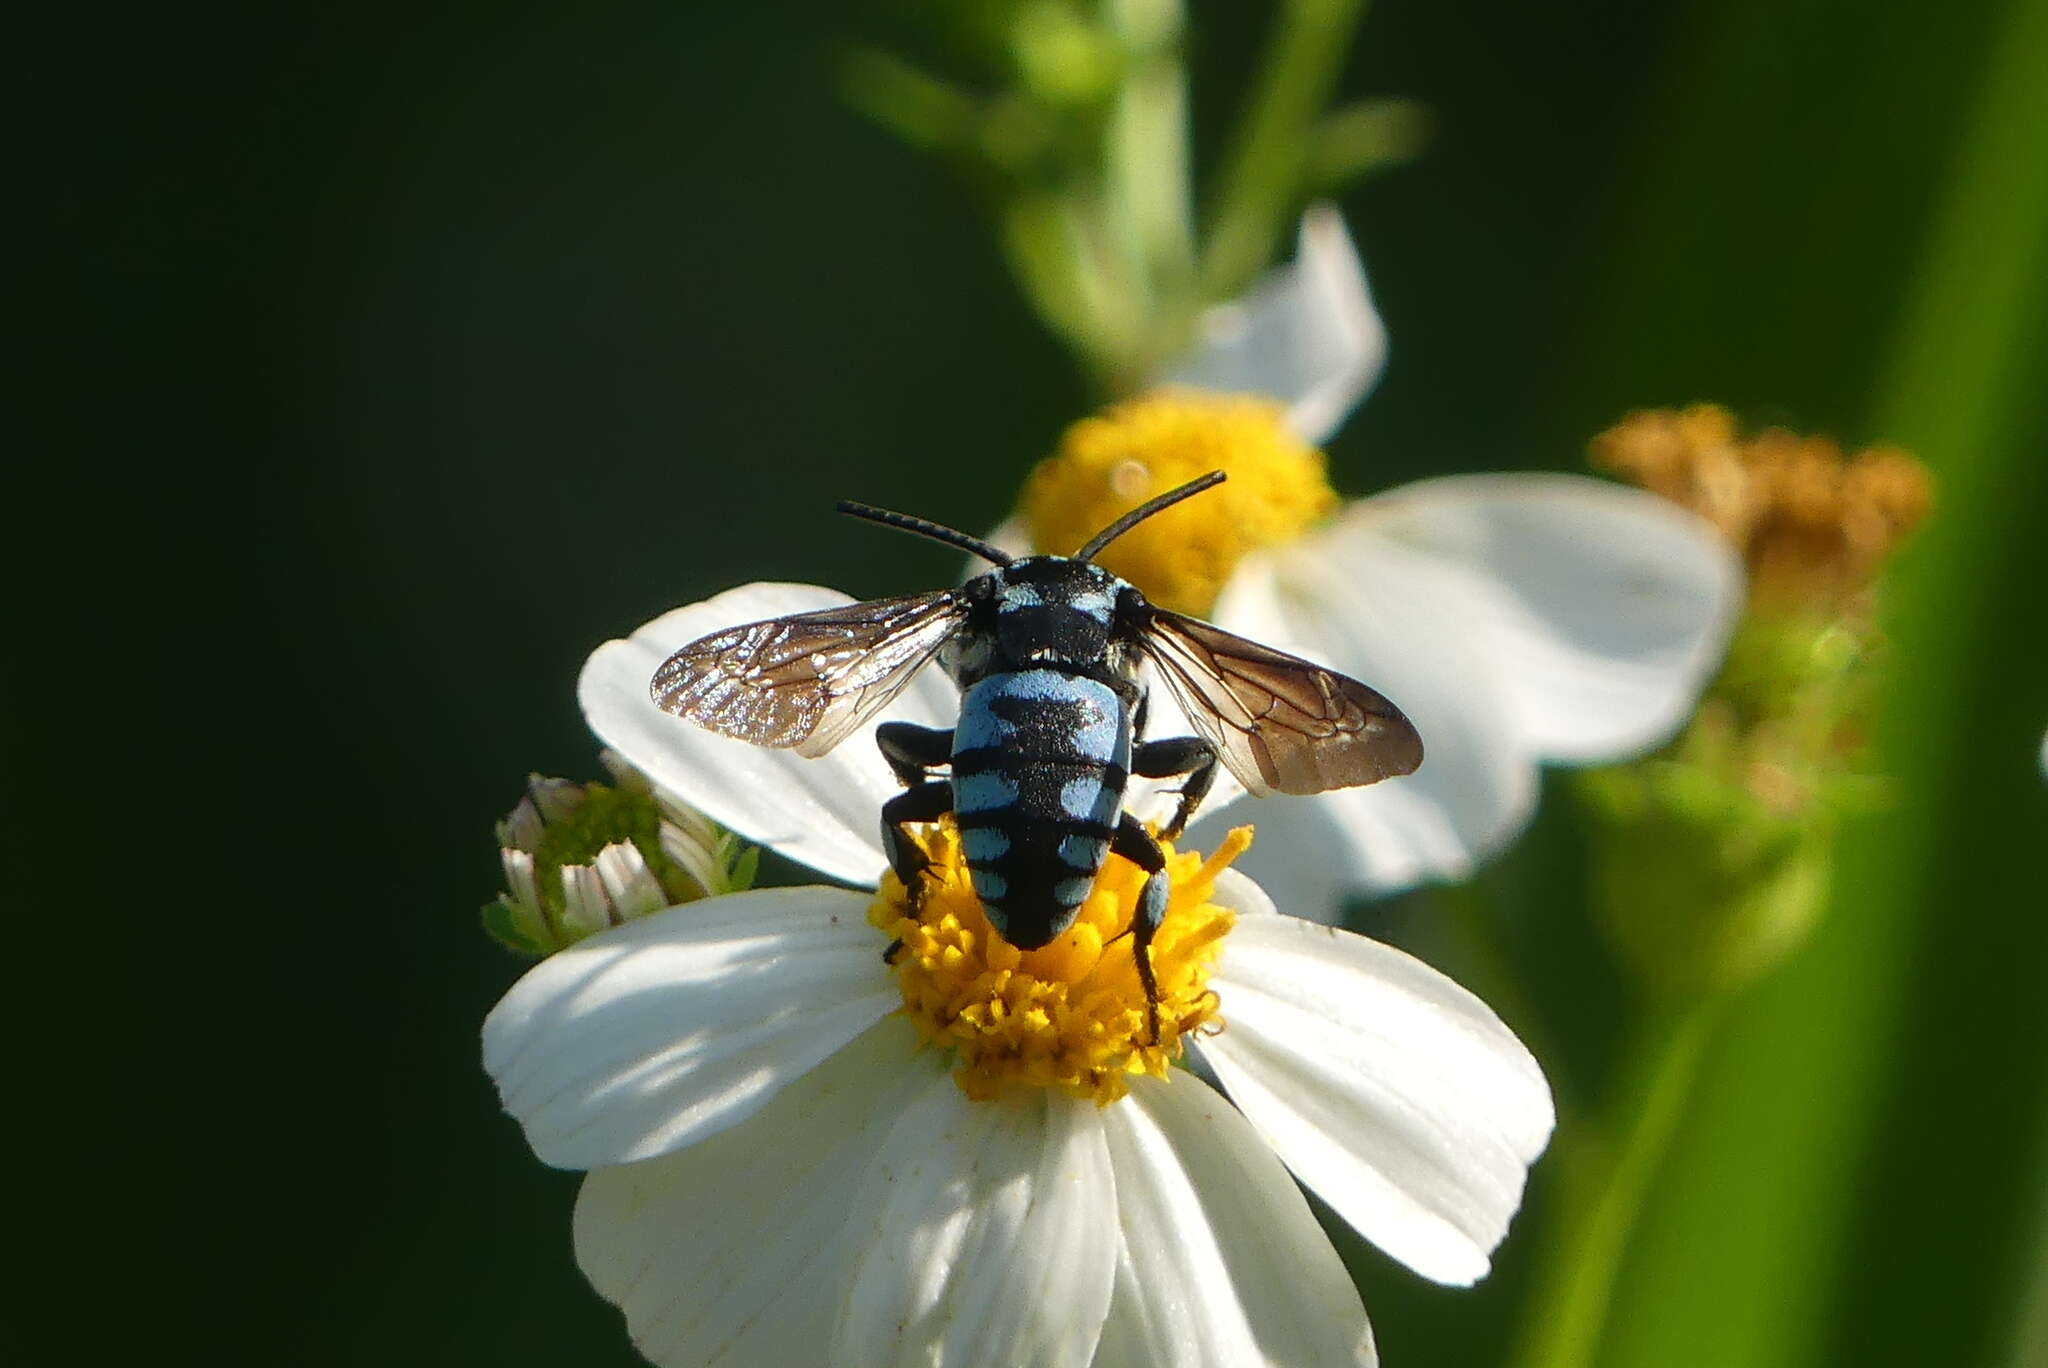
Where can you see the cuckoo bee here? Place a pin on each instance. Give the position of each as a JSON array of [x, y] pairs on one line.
[[1046, 651]]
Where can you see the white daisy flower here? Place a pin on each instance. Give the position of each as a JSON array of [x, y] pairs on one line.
[[803, 1154], [1518, 619]]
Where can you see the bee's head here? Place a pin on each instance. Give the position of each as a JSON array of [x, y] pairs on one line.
[[1054, 609]]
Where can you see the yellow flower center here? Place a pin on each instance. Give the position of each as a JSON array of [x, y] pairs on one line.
[[1180, 559], [1069, 1015]]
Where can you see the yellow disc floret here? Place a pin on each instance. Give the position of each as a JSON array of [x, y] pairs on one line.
[[1069, 1015], [1109, 464]]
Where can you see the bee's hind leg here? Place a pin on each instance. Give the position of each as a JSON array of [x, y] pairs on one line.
[[927, 802], [913, 752], [1135, 844]]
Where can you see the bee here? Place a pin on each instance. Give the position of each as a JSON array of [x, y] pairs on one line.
[[1047, 653]]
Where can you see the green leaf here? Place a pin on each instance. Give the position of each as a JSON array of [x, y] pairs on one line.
[[1812, 1202]]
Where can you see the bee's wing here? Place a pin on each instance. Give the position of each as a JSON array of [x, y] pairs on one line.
[[806, 681], [1280, 723]]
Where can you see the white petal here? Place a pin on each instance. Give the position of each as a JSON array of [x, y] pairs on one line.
[[691, 855], [522, 827], [616, 886], [1374, 610], [987, 1236], [1392, 1092], [1243, 895], [1601, 610], [738, 1250], [823, 812], [1301, 850], [585, 908], [1306, 335], [1222, 1263], [631, 885], [1011, 535], [649, 1036], [519, 877]]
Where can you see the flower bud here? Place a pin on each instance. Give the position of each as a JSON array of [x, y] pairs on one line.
[[581, 857], [1715, 855]]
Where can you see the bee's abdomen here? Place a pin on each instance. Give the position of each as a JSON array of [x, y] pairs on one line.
[[1040, 759]]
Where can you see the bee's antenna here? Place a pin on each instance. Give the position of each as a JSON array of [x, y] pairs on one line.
[[1146, 510], [938, 532]]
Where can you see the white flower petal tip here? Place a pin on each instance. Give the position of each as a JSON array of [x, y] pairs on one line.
[[1010, 535], [1600, 610], [735, 1250], [652, 1035], [1307, 334], [1243, 895], [1221, 1262], [1394, 1094], [869, 1214], [820, 812], [983, 1225]]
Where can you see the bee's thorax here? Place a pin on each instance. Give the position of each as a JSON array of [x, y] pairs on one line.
[[1043, 612]]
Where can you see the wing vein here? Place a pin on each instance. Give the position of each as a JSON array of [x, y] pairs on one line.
[[1278, 722], [809, 680]]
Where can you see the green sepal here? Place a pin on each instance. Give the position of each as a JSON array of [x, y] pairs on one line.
[[502, 924], [744, 867]]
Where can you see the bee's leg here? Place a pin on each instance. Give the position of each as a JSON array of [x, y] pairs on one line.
[[927, 802], [913, 752], [1189, 755], [1135, 844]]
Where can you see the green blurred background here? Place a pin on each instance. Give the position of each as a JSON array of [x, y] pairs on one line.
[[377, 362]]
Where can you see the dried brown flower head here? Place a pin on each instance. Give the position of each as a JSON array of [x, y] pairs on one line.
[[1813, 525]]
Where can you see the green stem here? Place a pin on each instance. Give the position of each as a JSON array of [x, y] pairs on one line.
[[1604, 1172], [1261, 184], [1146, 210]]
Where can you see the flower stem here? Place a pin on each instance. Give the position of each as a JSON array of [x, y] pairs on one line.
[[1605, 1168], [1263, 170], [1145, 205]]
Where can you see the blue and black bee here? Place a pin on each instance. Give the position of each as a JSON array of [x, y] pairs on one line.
[[1046, 651]]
